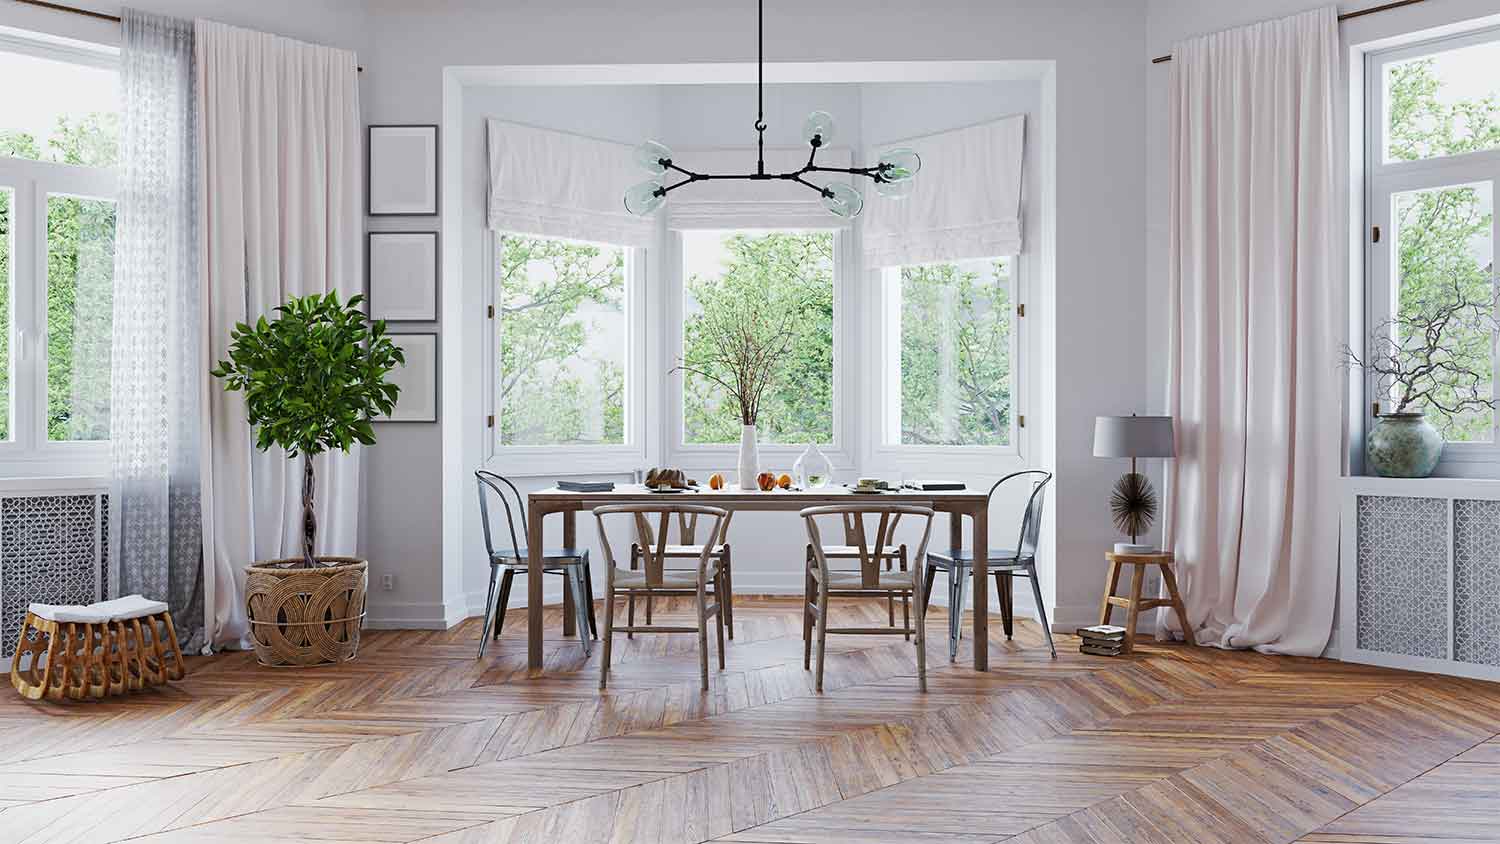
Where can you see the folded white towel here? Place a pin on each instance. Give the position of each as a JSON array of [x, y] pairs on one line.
[[69, 613], [129, 606]]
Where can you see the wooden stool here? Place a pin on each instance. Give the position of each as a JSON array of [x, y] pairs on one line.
[[94, 659], [1135, 603]]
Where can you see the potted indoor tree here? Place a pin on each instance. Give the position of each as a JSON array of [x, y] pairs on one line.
[[313, 378], [1431, 361]]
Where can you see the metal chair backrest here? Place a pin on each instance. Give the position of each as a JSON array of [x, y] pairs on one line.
[[653, 541], [1031, 519], [851, 517], [490, 484]]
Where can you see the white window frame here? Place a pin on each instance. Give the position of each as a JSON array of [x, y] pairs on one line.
[[722, 456], [569, 460], [29, 452], [1383, 180], [887, 418]]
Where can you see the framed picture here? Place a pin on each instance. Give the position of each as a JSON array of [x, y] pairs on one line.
[[418, 379], [401, 175], [403, 275]]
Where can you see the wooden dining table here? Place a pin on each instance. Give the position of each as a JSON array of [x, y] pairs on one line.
[[956, 503]]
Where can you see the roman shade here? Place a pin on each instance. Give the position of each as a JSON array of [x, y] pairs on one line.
[[966, 202], [558, 184], [747, 204]]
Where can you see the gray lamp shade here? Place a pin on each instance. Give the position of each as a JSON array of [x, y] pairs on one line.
[[1133, 436]]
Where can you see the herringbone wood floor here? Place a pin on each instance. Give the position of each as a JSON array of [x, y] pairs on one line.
[[418, 741]]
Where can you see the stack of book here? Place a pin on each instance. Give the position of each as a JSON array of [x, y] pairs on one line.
[[1102, 640]]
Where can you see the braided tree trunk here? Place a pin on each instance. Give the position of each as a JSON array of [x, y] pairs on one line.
[[309, 518]]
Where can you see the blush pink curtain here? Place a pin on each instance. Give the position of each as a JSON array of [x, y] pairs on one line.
[[1256, 284]]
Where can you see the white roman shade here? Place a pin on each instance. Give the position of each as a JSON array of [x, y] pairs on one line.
[[557, 184], [966, 202], [746, 204]]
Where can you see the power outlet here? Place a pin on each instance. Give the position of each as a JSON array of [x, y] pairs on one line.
[[388, 582]]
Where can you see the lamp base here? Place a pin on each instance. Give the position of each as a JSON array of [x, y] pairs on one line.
[[1134, 548]]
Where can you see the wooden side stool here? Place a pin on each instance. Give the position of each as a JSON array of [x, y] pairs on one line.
[[1134, 604], [102, 649]]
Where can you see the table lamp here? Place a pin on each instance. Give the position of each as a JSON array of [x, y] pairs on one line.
[[1133, 502]]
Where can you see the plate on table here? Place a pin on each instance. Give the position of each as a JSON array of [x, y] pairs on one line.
[[857, 491], [665, 491]]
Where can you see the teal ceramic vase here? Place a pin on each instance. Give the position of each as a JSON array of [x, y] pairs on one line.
[[1402, 445]]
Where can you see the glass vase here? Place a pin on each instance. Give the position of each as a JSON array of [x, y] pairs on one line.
[[812, 470]]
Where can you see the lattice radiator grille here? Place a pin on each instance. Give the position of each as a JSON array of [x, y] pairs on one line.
[[53, 550], [1427, 578]]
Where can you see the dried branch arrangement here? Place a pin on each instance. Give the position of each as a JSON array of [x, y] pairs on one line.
[[1436, 355], [750, 341]]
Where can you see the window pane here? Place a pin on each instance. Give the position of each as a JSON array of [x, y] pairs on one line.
[[563, 342], [776, 290], [1444, 251], [955, 353], [1443, 104], [67, 112], [7, 202], [80, 281]]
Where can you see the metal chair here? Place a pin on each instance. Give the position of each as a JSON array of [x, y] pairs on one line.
[[823, 582], [687, 529], [655, 579], [1019, 561], [571, 563]]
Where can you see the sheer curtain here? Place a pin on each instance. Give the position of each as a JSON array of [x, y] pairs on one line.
[[1255, 282], [157, 366], [280, 141]]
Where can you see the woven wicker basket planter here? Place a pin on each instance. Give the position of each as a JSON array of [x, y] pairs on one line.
[[301, 616]]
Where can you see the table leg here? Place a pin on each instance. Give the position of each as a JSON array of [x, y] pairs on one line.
[[570, 537], [981, 587], [1112, 581], [534, 517], [1133, 615], [1170, 579]]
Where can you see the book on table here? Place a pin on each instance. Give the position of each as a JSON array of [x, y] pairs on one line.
[[586, 486], [936, 486]]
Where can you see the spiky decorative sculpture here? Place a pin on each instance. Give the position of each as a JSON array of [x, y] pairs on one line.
[[1133, 504]]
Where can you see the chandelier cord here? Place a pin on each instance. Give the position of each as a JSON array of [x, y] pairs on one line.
[[760, 86]]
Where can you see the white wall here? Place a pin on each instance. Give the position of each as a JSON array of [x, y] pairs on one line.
[[1100, 88]]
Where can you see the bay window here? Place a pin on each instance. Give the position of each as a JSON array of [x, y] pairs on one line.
[[951, 341], [768, 281], [58, 147], [563, 342], [1432, 161]]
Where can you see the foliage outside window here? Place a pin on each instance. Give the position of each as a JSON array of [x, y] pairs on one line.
[[1439, 106], [956, 387], [68, 116], [563, 342], [776, 278]]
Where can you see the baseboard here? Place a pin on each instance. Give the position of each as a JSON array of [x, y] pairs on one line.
[[411, 616]]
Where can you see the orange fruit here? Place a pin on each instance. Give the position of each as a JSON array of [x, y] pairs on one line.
[[785, 481], [716, 481]]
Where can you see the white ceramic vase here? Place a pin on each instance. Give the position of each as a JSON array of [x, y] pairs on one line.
[[749, 458]]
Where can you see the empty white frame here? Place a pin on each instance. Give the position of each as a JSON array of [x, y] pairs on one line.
[[402, 174], [403, 269], [418, 379]]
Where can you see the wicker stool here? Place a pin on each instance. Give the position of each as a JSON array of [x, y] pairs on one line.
[[95, 651]]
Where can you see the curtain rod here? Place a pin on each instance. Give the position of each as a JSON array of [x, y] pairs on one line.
[[88, 13], [1385, 7]]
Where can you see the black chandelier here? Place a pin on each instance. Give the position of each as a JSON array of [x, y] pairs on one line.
[[893, 172]]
